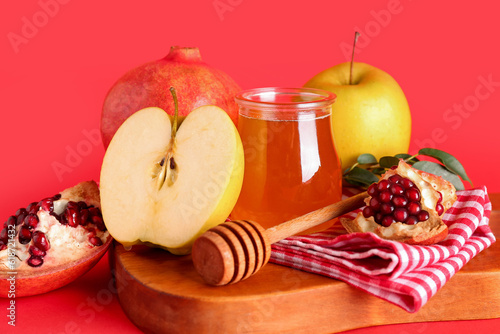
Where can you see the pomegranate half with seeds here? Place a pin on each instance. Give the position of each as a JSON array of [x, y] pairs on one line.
[[51, 242], [405, 205]]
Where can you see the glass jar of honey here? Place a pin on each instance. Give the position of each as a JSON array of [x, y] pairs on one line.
[[291, 165]]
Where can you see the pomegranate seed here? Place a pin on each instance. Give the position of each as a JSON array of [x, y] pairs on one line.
[[95, 212], [385, 196], [72, 216], [95, 241], [96, 218], [411, 220], [375, 203], [439, 209], [35, 261], [372, 190], [383, 185], [33, 250], [32, 207], [24, 235], [414, 208], [63, 220], [82, 205], [56, 197], [72, 205], [20, 215], [395, 178], [92, 231], [21, 211], [31, 221], [40, 241], [394, 167], [84, 217], [400, 214], [11, 221], [387, 221], [99, 223], [47, 204], [423, 216], [396, 199], [413, 194], [397, 189], [368, 212], [440, 197], [400, 201], [386, 208], [407, 183], [4, 235], [20, 220]]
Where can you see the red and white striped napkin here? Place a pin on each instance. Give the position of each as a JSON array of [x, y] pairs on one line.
[[405, 275]]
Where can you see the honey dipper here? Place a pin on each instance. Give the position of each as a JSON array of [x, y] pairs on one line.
[[233, 251]]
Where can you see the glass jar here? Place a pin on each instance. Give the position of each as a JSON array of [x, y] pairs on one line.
[[291, 165]]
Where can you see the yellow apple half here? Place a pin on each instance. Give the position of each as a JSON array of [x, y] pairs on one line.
[[202, 181], [369, 116]]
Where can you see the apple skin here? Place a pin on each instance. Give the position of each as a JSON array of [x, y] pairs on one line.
[[196, 83], [370, 116]]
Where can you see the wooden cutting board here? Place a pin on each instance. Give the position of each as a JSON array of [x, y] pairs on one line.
[[162, 293]]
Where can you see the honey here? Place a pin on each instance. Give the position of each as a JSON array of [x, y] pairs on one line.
[[291, 165]]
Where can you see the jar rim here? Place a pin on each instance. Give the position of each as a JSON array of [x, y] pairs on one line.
[[286, 97], [280, 104]]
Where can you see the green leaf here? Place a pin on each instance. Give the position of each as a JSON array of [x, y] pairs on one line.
[[448, 160], [356, 184], [348, 170], [439, 170], [378, 171], [388, 162], [361, 175], [367, 158], [407, 157]]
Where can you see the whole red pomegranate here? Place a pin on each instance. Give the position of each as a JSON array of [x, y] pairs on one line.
[[195, 82]]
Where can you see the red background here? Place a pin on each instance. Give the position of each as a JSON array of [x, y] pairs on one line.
[[58, 62]]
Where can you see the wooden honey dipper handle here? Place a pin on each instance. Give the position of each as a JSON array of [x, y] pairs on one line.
[[302, 223], [233, 251]]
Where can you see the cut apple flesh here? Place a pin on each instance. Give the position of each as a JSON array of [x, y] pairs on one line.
[[202, 169]]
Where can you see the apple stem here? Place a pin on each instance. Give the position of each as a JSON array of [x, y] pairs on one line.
[[176, 113], [356, 35], [168, 171], [172, 166]]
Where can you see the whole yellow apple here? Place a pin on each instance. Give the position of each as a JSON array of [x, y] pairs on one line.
[[371, 115]]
